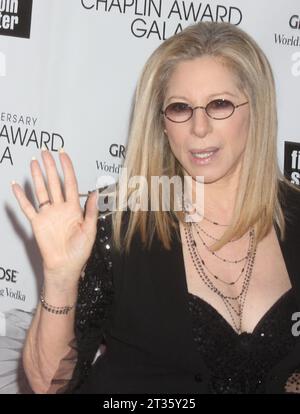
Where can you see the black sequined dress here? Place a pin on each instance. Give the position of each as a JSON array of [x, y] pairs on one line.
[[240, 362], [182, 344]]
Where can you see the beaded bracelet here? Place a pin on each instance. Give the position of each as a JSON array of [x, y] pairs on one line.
[[58, 310]]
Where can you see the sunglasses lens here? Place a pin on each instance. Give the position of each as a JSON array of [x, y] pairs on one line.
[[220, 108], [178, 112]]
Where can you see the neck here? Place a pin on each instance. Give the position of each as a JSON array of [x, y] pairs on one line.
[[219, 199]]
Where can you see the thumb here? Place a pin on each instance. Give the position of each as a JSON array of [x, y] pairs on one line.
[[91, 213]]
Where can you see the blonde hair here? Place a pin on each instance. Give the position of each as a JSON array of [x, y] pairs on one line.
[[148, 152]]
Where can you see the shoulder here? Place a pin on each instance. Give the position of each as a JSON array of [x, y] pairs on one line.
[[289, 197], [104, 219], [289, 191]]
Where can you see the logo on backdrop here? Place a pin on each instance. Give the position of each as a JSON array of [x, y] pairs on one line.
[[282, 39], [15, 18], [9, 277], [156, 18], [19, 130], [292, 161], [116, 151], [295, 22]]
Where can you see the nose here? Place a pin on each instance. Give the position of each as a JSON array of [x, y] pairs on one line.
[[200, 122]]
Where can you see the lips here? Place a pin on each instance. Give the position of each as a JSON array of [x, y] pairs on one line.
[[204, 155], [204, 150]]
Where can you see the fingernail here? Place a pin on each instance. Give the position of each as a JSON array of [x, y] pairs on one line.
[[13, 182], [61, 150], [33, 158], [44, 149]]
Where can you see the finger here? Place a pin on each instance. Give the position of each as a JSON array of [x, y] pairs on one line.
[[54, 186], [70, 181], [41, 191], [23, 201], [89, 225]]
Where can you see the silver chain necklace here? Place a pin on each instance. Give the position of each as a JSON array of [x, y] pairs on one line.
[[216, 255], [234, 304]]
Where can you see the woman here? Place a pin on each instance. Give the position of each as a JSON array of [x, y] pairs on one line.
[[180, 305]]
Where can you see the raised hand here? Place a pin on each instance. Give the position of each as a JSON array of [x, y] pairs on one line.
[[65, 238]]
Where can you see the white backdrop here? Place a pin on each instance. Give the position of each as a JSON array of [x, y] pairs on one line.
[[70, 83]]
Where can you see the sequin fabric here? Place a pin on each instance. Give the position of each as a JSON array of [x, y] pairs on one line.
[[240, 363], [95, 296]]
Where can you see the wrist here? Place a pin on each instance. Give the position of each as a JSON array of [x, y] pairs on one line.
[[61, 282], [58, 310], [60, 293], [58, 301]]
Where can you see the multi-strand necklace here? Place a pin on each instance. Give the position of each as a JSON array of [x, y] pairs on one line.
[[234, 304]]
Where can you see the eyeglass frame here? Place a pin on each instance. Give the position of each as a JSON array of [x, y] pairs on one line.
[[234, 107]]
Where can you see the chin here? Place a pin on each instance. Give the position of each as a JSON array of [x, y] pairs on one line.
[[208, 173], [208, 177]]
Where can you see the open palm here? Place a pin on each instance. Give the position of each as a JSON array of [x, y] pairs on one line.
[[65, 238]]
